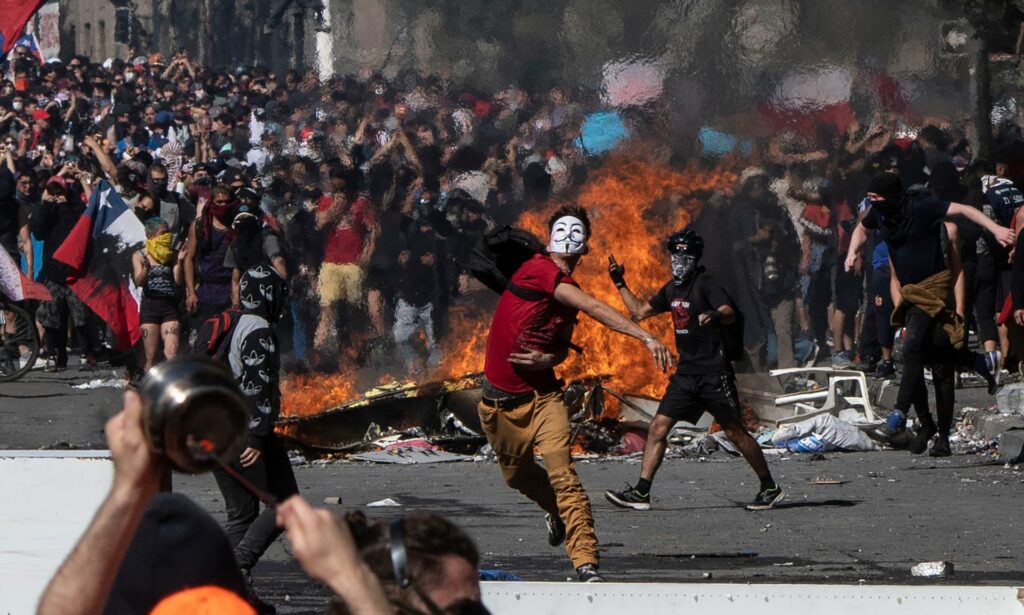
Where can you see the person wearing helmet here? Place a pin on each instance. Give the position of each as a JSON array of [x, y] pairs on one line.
[[704, 378]]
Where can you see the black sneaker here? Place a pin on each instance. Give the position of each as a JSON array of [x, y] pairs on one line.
[[940, 448], [629, 498], [921, 438], [767, 498], [587, 573], [885, 369], [556, 530]]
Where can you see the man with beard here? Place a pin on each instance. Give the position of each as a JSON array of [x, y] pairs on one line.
[[911, 226], [522, 412], [704, 378]]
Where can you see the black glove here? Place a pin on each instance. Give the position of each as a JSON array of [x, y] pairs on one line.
[[714, 317], [617, 272]]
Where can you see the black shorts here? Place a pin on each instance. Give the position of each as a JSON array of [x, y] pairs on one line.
[[849, 290], [688, 396], [158, 310]]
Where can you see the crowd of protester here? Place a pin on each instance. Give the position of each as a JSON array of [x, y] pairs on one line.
[[367, 194], [364, 196]]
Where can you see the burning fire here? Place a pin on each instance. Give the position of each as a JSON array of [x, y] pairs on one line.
[[633, 205]]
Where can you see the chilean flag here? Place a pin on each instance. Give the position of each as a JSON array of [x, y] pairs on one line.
[[14, 14], [29, 40], [15, 285], [99, 252]]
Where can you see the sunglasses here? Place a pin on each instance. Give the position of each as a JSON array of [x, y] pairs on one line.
[[221, 201]]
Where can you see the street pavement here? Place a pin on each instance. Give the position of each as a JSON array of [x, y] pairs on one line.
[[891, 510]]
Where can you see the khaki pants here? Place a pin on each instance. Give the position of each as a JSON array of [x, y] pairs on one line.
[[543, 423]]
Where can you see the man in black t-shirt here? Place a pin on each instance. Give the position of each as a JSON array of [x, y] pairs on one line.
[[704, 378], [911, 224]]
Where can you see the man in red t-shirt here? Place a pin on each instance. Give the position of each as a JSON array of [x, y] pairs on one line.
[[350, 233], [522, 409]]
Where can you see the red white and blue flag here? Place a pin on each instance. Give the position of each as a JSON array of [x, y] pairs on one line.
[[99, 252], [28, 39], [14, 14], [15, 286]]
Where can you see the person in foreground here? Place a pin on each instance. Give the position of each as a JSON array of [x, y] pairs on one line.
[[704, 378], [522, 409], [102, 573], [417, 564]]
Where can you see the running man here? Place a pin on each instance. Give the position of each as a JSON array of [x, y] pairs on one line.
[[522, 409]]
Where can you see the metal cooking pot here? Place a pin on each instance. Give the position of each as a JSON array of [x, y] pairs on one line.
[[189, 399]]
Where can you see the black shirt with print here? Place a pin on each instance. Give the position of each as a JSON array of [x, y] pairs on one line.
[[700, 348]]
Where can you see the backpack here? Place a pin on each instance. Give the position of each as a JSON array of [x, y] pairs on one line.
[[215, 333], [499, 254]]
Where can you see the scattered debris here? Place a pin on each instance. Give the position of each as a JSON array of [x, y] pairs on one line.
[[102, 383], [932, 570], [402, 454], [333, 500], [385, 503]]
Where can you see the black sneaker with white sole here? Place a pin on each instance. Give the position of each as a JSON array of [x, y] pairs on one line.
[[629, 498], [587, 573], [767, 498], [556, 530]]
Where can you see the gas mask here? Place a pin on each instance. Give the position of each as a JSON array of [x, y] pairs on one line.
[[568, 236], [683, 267]]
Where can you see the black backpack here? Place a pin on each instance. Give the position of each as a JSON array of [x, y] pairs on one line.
[[214, 335], [501, 253]]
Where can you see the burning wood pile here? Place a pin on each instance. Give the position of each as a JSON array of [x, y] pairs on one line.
[[634, 205]]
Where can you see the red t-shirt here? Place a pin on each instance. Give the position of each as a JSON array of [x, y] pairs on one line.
[[518, 325], [345, 240]]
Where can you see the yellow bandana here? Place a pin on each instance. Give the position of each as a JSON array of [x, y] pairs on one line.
[[159, 248]]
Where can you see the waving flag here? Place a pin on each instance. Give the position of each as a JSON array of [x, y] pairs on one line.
[[99, 251], [29, 40], [15, 285], [14, 14]]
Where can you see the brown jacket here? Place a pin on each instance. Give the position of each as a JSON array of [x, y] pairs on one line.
[[933, 296]]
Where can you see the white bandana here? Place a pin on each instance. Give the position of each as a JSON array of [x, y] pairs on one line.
[[568, 236]]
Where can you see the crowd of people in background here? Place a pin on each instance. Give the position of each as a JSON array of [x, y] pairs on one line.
[[367, 194]]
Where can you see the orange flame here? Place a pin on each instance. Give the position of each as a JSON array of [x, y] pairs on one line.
[[633, 205]]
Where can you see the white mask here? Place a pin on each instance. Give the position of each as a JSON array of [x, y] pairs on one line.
[[568, 236], [129, 76], [17, 105]]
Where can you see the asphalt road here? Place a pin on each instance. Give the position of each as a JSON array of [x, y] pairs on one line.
[[891, 511]]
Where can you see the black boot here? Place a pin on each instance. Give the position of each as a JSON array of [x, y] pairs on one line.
[[941, 447], [921, 438]]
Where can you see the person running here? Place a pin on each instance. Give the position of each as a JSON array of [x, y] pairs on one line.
[[910, 223], [522, 412], [704, 378]]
